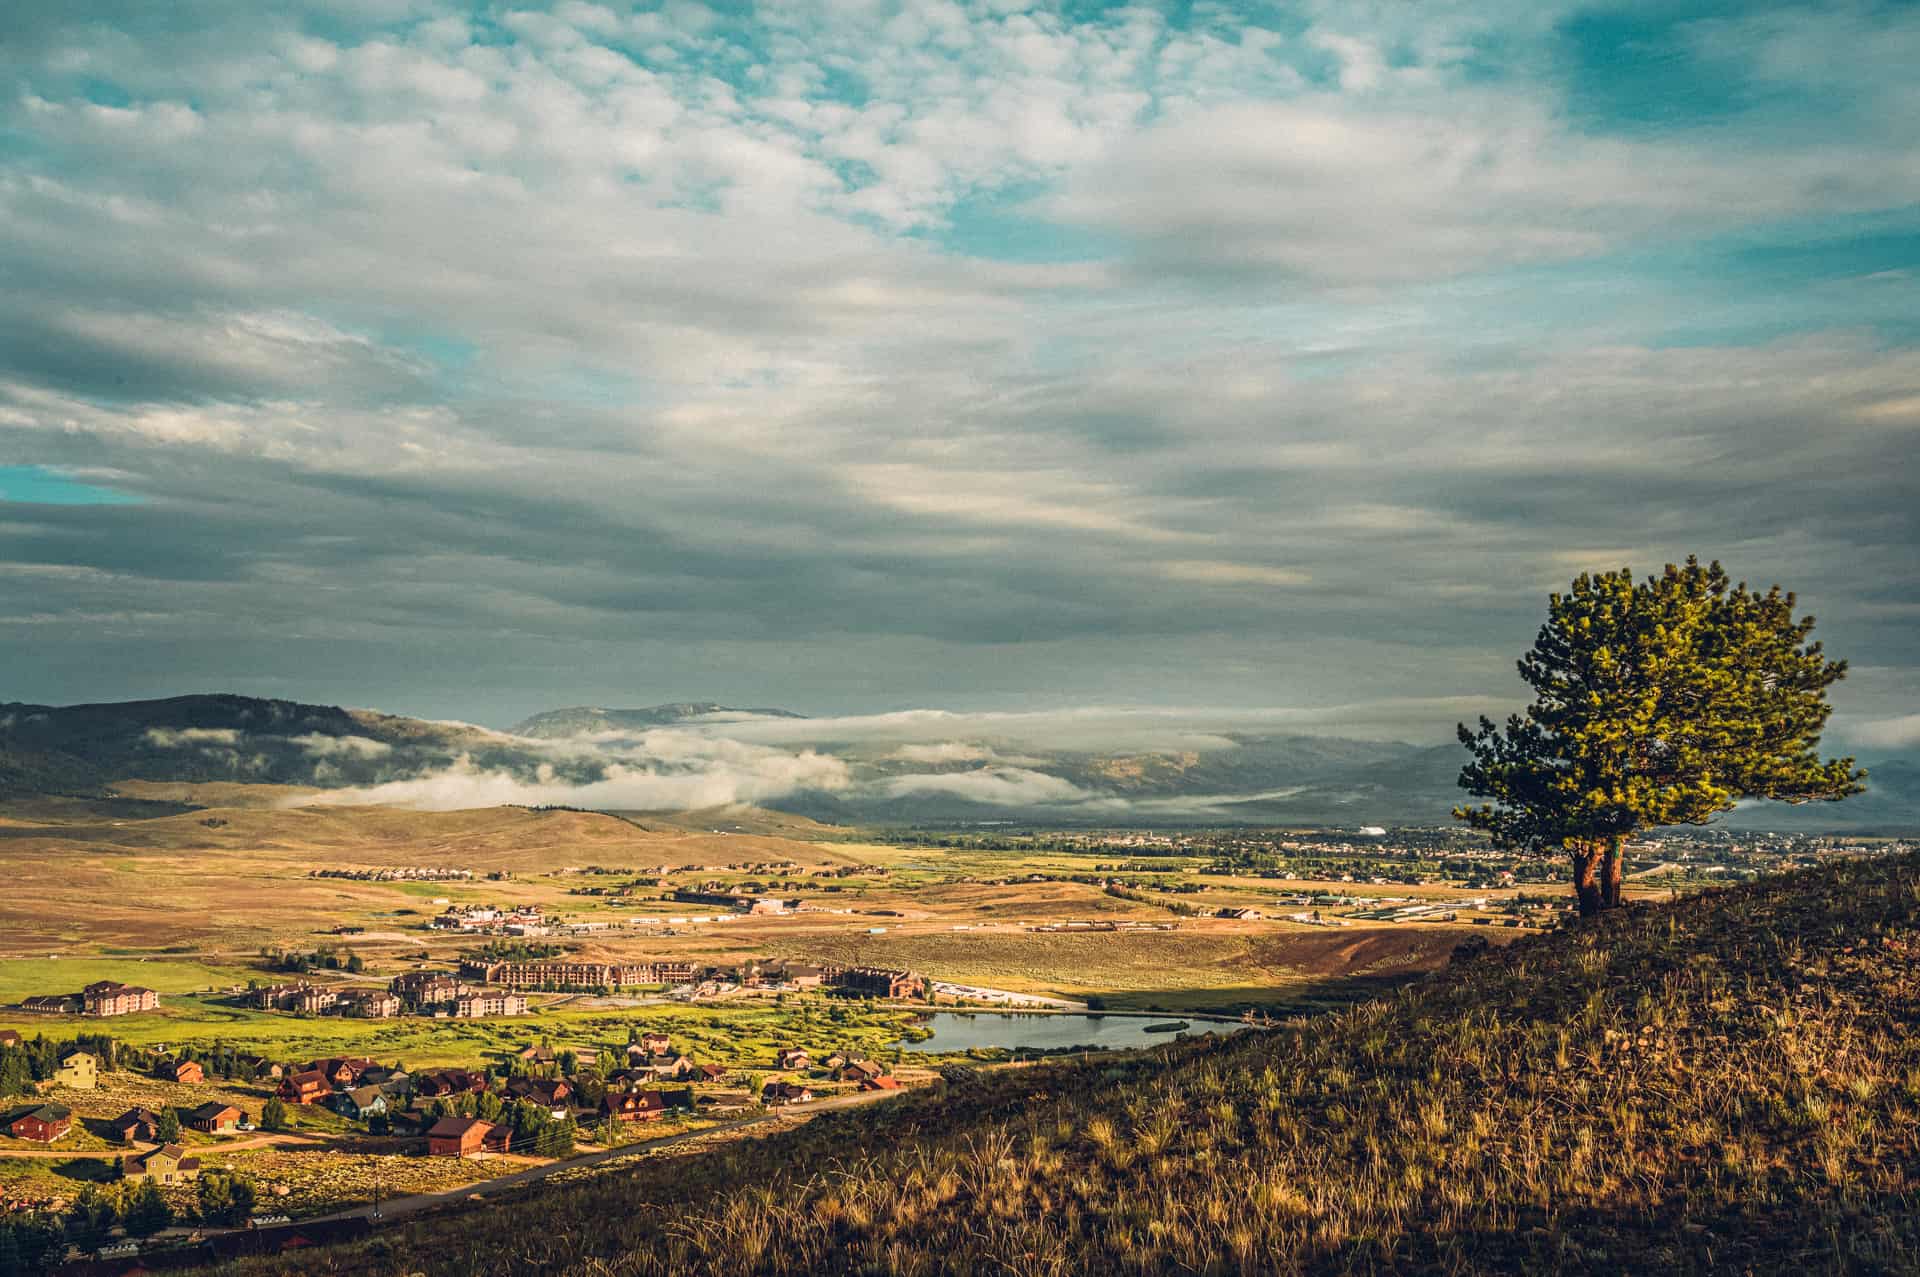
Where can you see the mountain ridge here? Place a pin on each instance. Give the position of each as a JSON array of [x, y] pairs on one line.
[[1246, 779]]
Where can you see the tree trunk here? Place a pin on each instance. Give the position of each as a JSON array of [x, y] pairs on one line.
[[1586, 884], [1612, 870]]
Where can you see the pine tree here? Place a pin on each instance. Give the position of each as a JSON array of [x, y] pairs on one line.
[[148, 1212], [167, 1127], [1656, 703]]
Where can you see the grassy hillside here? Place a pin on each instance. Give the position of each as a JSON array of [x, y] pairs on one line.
[[1728, 1083]]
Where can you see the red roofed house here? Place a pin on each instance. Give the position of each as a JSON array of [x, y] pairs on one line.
[[881, 1083], [305, 1088], [634, 1106], [188, 1071], [135, 1124], [43, 1123], [213, 1117], [458, 1137], [778, 1093]]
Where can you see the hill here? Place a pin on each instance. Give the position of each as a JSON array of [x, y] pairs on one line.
[[702, 754], [1730, 1083], [589, 720]]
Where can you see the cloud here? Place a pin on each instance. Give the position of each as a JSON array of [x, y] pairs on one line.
[[849, 357], [358, 747], [1902, 732], [672, 773], [998, 786], [191, 737], [943, 752]]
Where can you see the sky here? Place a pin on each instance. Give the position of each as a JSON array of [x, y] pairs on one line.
[[471, 360]]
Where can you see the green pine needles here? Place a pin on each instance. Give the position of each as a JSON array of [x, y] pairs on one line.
[[1660, 702]]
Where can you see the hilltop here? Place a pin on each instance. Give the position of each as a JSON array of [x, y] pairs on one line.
[[1727, 1083]]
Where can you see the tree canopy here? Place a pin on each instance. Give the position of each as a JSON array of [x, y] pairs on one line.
[[1656, 702]]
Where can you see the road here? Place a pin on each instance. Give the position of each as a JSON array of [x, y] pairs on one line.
[[115, 1154], [398, 1206]]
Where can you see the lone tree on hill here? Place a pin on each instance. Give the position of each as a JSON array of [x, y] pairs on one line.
[[1657, 703]]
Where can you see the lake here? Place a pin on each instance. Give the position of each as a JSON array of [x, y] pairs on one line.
[[1013, 1030]]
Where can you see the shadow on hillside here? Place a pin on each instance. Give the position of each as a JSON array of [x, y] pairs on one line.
[[87, 1170], [1815, 1230]]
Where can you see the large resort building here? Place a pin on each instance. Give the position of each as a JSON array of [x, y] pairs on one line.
[[561, 974]]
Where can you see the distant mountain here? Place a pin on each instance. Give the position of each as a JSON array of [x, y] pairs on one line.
[[219, 737], [548, 759], [591, 720]]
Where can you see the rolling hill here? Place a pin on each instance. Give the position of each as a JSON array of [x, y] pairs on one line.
[[1728, 1083], [643, 759]]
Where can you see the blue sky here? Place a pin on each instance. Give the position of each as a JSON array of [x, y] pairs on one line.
[[469, 359]]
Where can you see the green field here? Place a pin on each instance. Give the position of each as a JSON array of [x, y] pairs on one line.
[[744, 1033], [26, 977]]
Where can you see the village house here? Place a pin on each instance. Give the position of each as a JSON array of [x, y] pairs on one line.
[[277, 997], [466, 1137], [342, 1071], [135, 1124], [186, 1072], [361, 1102], [43, 1123], [52, 1004], [260, 1066], [213, 1117], [106, 997], [857, 1071], [316, 1001], [878, 982], [880, 1083], [654, 1044], [634, 1106], [779, 1094], [168, 1164], [709, 1072], [792, 1057], [666, 1068], [551, 1094], [478, 1005], [428, 988], [303, 1088], [9, 1037], [371, 1004], [78, 1070], [437, 1082]]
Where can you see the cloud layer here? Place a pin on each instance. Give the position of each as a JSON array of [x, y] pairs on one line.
[[871, 354]]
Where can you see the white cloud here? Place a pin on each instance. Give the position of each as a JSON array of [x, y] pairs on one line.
[[191, 737], [1902, 732], [1000, 786], [671, 772], [360, 747]]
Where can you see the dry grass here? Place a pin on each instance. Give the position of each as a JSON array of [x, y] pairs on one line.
[[1730, 1083]]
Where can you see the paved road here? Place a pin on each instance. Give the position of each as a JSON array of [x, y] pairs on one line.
[[394, 1207]]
